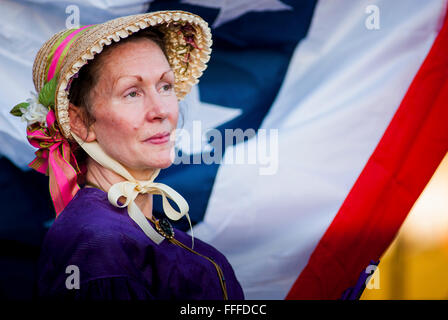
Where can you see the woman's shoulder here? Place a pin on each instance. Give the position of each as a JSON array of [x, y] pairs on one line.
[[89, 204], [89, 209], [90, 231], [88, 215]]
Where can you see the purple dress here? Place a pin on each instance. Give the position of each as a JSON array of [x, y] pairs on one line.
[[116, 260]]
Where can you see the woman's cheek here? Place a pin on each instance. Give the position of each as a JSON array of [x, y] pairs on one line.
[[174, 114], [124, 116]]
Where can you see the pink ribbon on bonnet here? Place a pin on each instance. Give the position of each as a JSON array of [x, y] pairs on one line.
[[55, 159]]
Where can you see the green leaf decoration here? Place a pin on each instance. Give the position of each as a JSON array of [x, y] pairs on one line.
[[16, 110], [47, 94]]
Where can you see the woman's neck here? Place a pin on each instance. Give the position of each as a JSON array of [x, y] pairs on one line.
[[105, 178]]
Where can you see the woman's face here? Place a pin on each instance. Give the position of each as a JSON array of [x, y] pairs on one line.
[[135, 107]]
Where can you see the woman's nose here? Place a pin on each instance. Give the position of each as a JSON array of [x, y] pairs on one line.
[[156, 109]]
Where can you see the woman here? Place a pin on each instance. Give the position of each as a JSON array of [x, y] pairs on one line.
[[104, 122]]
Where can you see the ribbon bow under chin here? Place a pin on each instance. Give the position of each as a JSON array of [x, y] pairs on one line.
[[131, 188], [55, 159]]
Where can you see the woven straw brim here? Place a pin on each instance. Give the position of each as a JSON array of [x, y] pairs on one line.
[[93, 40]]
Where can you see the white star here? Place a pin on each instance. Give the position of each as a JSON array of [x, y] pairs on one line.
[[232, 9]]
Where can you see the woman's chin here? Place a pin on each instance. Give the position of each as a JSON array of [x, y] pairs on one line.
[[161, 164], [165, 165]]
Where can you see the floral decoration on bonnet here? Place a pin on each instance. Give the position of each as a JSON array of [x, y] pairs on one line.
[[54, 156]]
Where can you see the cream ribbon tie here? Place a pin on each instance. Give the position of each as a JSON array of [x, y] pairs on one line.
[[131, 188]]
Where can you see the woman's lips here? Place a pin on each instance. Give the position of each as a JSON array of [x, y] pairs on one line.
[[159, 138]]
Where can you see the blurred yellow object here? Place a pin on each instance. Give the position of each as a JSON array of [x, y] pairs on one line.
[[416, 264]]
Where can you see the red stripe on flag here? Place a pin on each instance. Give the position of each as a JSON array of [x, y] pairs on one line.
[[406, 157]]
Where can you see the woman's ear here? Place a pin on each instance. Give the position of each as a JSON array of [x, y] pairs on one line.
[[78, 126]]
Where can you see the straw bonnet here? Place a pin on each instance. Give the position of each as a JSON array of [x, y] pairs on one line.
[[187, 40]]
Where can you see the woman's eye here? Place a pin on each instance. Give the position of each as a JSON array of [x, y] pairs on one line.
[[132, 94], [167, 87]]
